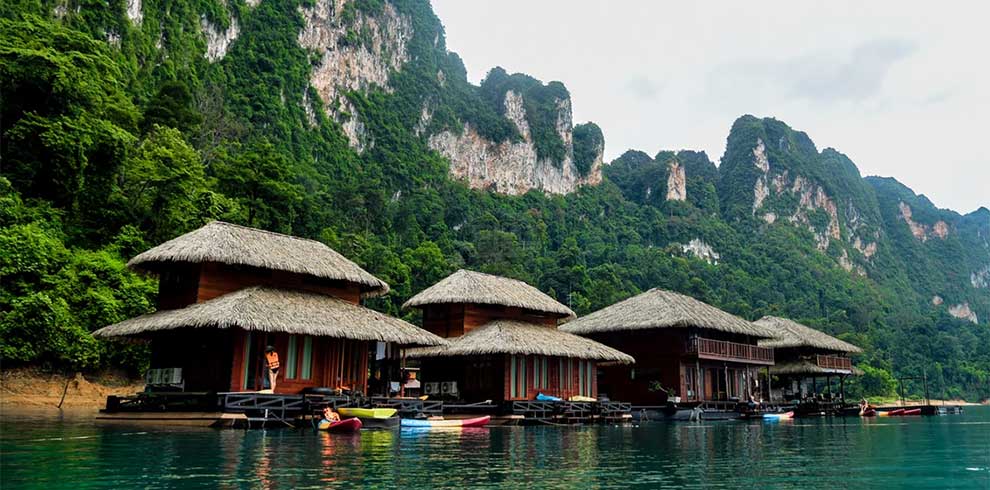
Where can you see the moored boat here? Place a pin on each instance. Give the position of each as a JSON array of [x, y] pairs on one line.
[[345, 425], [367, 413], [436, 423], [779, 416]]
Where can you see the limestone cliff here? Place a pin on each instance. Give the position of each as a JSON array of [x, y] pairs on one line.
[[356, 52], [514, 167]]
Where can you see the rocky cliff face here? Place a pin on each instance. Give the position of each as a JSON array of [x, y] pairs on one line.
[[514, 167], [922, 232], [355, 54]]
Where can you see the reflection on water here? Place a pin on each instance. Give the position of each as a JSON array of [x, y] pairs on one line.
[[46, 451]]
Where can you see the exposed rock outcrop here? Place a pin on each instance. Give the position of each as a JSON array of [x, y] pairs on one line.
[[218, 40], [937, 300], [868, 249], [921, 231], [347, 65], [134, 13], [676, 182], [760, 190], [980, 278], [701, 250], [963, 312], [513, 167]]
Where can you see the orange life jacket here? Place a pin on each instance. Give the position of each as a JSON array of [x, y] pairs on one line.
[[272, 358]]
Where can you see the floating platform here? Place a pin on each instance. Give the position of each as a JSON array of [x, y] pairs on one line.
[[187, 419]]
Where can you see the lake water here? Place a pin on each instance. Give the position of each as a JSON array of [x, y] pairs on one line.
[[46, 451]]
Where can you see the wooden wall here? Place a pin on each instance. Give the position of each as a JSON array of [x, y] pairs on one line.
[[185, 284], [456, 319], [219, 279], [335, 363], [562, 380]]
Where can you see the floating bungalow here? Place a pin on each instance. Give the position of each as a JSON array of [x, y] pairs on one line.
[[687, 352], [504, 344], [227, 292], [804, 356]]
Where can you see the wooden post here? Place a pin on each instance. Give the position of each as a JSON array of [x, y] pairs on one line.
[[698, 394], [402, 377], [769, 387]]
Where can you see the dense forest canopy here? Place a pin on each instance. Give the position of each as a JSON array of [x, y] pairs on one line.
[[118, 132]]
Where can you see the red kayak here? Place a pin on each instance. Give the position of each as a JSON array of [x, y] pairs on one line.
[[869, 412], [428, 423], [913, 411], [894, 413], [346, 425]]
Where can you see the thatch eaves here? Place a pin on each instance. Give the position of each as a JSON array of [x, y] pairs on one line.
[[808, 368], [788, 333], [471, 287], [523, 338], [232, 244], [268, 309], [658, 308]]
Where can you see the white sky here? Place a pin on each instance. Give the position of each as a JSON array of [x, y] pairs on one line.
[[902, 88]]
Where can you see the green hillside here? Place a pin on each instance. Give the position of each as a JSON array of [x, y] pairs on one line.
[[123, 127]]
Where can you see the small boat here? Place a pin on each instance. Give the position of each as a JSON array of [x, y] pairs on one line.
[[869, 412], [345, 425], [896, 412], [367, 413], [913, 411], [373, 423], [431, 423], [779, 416]]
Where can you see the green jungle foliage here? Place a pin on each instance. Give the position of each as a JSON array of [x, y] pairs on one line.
[[108, 148]]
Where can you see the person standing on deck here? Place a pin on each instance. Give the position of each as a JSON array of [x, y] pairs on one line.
[[271, 366]]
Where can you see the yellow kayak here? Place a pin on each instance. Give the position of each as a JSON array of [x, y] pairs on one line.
[[369, 413]]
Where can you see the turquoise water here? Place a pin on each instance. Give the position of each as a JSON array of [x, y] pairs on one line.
[[45, 451]]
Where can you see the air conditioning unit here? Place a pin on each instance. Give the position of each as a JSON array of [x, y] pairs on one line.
[[151, 377], [431, 388], [172, 376], [448, 388]]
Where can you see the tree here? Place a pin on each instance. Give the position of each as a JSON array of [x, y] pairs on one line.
[[162, 183], [171, 106], [260, 179]]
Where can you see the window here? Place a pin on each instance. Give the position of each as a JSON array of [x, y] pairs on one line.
[[297, 351], [546, 373], [541, 373], [290, 358], [589, 384], [307, 358], [581, 380], [517, 377], [512, 377]]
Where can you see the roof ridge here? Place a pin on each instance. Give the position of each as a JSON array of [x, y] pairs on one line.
[[262, 230]]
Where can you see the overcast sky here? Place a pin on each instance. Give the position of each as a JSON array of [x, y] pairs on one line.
[[903, 90]]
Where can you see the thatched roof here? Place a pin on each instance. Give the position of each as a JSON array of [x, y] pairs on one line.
[[788, 333], [517, 337], [472, 287], [227, 243], [804, 367], [658, 308], [279, 310]]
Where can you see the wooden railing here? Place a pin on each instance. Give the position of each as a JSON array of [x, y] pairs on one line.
[[729, 351], [834, 362]]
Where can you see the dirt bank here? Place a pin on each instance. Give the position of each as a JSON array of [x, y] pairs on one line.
[[31, 388]]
